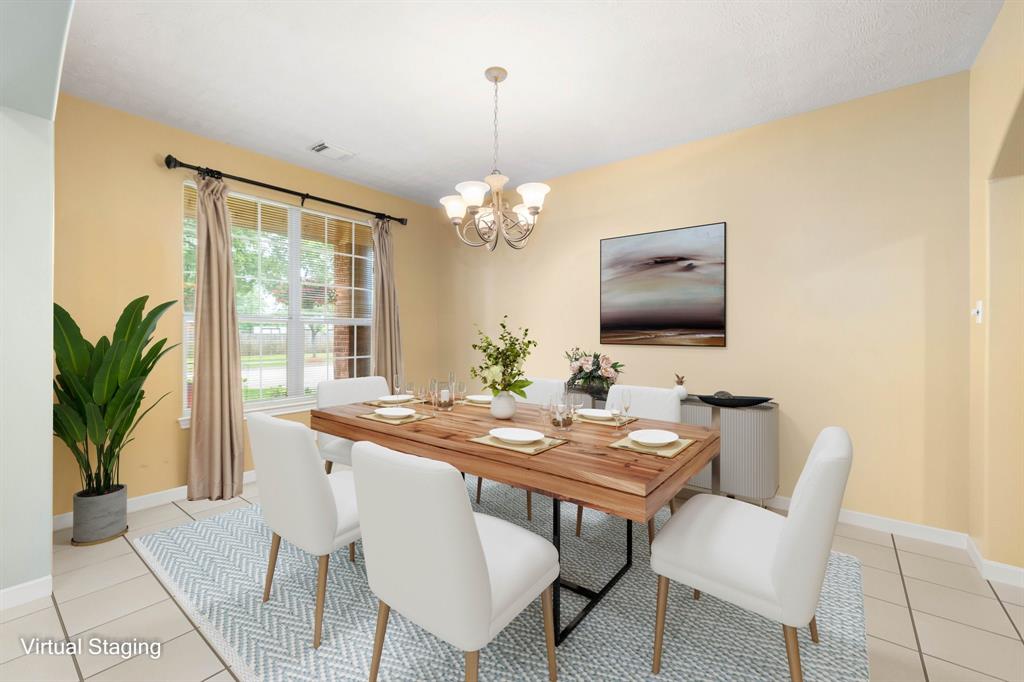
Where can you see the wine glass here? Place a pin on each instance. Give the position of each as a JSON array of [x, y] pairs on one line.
[[432, 393], [627, 400]]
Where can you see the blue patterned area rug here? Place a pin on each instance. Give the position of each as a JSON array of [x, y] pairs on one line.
[[215, 568]]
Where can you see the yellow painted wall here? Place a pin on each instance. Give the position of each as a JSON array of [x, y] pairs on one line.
[[846, 277], [118, 235], [996, 91]]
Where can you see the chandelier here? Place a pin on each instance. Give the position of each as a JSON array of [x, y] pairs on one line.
[[491, 216]]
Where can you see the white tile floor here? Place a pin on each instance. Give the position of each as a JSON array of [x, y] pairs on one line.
[[930, 615]]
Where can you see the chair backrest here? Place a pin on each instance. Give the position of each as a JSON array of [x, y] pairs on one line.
[[806, 541], [295, 496], [346, 391], [542, 390], [648, 402], [421, 545]]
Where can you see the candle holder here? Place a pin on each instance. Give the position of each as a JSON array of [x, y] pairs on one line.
[[445, 400]]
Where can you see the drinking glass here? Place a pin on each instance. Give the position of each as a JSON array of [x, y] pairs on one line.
[[459, 390], [396, 384], [576, 402], [432, 393], [627, 400]]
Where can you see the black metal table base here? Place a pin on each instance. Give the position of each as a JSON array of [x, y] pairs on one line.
[[593, 597]]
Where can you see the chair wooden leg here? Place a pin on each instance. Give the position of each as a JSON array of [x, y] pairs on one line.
[[383, 611], [659, 623], [275, 544], [793, 653], [321, 592], [673, 505], [529, 506], [814, 629], [696, 594], [352, 551], [650, 532], [579, 520], [479, 487], [328, 465], [472, 665], [549, 633]]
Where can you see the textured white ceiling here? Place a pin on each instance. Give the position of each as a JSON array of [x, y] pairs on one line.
[[401, 84]]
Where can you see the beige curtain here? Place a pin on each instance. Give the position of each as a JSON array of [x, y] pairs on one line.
[[215, 442], [387, 336]]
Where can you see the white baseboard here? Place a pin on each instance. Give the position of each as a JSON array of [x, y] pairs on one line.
[[995, 570], [990, 570], [22, 593], [156, 499]]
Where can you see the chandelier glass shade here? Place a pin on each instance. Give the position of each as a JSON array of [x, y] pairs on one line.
[[481, 211]]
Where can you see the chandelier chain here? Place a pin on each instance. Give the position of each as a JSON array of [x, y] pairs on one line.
[[494, 165]]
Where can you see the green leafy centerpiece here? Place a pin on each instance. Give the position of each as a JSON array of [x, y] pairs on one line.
[[99, 395], [502, 368]]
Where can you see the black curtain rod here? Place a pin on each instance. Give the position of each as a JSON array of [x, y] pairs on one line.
[[172, 163]]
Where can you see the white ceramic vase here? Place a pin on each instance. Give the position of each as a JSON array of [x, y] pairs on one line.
[[681, 391], [503, 405]]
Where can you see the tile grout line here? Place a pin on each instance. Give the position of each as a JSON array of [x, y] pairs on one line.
[[126, 660], [961, 665], [64, 629], [1005, 610], [910, 610], [183, 511], [99, 563], [130, 613], [175, 601], [966, 625]]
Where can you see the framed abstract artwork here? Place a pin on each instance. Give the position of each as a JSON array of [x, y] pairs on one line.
[[664, 288]]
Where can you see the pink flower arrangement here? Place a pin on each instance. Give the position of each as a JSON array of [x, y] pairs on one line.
[[592, 369]]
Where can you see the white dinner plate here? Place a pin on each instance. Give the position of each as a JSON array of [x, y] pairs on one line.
[[603, 415], [400, 398], [394, 412], [481, 399], [517, 436], [653, 438]]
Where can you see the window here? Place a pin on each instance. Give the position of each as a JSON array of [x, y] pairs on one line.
[[303, 292]]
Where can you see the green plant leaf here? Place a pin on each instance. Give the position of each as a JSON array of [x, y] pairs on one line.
[[68, 345], [68, 424], [129, 319], [152, 355], [132, 359], [122, 401], [98, 353], [75, 387], [94, 424], [105, 383]]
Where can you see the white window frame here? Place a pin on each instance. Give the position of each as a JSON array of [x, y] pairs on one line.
[[297, 400]]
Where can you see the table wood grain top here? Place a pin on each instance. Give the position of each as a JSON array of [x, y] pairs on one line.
[[584, 470]]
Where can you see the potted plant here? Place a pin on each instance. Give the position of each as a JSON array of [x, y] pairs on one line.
[[99, 393], [502, 368], [592, 372]]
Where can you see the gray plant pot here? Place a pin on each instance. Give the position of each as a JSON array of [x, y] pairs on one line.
[[98, 518]]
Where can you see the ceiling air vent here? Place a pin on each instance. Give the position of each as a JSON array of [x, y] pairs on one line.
[[331, 151]]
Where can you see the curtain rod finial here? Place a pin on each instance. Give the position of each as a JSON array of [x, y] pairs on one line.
[[171, 162]]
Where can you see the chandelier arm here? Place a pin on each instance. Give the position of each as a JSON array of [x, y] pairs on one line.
[[483, 235], [465, 241]]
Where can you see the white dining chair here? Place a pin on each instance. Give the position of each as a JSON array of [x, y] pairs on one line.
[[459, 575], [646, 402], [770, 564], [539, 392], [309, 508], [343, 392]]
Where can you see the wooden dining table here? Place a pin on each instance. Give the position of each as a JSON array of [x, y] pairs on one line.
[[585, 470]]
